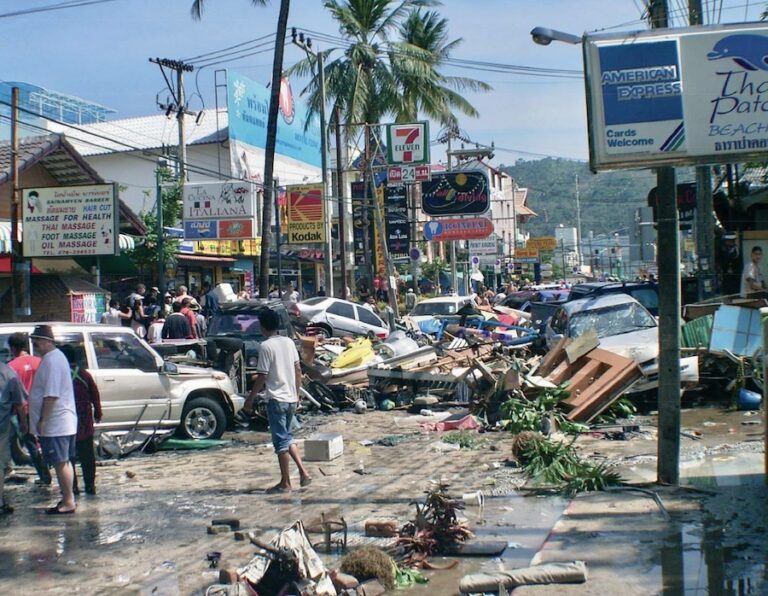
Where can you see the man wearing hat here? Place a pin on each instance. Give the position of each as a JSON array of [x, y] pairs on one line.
[[52, 414]]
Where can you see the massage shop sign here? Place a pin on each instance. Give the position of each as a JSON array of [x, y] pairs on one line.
[[67, 221], [677, 97]]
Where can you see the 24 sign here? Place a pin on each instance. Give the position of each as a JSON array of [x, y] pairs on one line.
[[408, 144]]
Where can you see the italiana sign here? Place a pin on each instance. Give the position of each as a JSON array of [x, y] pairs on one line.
[[66, 221], [408, 144], [456, 193], [306, 214], [219, 210], [677, 96]]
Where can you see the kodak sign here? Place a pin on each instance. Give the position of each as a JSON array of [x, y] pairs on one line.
[[408, 144]]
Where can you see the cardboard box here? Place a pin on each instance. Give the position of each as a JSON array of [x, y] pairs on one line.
[[323, 447]]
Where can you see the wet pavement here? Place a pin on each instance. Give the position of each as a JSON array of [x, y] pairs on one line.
[[145, 532]]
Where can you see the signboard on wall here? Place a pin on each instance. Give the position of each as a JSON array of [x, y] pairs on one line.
[[66, 221], [677, 97], [225, 210], [408, 144], [456, 193], [305, 214]]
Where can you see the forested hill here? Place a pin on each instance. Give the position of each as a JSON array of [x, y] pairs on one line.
[[607, 200]]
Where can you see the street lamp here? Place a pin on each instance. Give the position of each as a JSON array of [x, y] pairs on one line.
[[545, 36]]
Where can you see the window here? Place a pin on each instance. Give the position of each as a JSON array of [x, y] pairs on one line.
[[559, 320], [367, 317], [342, 309], [71, 343], [122, 350], [648, 297]]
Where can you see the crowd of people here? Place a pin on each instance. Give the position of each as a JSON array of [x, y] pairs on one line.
[[55, 402]]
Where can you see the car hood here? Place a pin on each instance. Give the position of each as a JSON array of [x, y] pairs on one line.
[[641, 345]]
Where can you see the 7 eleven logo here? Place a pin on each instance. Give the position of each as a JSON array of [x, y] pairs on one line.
[[408, 143]]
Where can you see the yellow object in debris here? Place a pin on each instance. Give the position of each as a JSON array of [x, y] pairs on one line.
[[357, 353]]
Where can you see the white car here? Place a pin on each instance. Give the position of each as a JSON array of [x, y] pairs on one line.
[[437, 307], [334, 317], [135, 384], [624, 327]]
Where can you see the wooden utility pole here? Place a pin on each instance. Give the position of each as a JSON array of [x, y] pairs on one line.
[[668, 466]]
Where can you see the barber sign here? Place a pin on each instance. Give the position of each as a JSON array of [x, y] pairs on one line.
[[408, 143]]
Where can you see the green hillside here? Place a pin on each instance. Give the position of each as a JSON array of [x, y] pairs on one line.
[[608, 200]]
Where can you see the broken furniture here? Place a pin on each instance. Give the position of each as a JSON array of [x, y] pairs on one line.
[[330, 524]]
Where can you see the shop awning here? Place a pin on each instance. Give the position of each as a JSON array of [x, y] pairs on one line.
[[183, 258]]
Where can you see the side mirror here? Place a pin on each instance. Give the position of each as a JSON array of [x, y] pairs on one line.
[[169, 368]]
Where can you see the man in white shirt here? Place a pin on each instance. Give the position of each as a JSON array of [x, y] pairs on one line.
[[52, 414], [752, 278], [113, 316], [278, 374]]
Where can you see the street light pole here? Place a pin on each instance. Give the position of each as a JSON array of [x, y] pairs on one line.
[[578, 224]]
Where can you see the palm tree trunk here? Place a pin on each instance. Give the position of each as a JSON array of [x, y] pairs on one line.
[[269, 157]]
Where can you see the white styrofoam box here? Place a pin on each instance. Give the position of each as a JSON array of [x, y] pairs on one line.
[[225, 293], [323, 447]]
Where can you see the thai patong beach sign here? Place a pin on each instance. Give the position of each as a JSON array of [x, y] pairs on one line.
[[677, 96]]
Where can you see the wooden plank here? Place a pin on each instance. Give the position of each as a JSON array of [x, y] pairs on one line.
[[553, 358], [584, 377], [582, 345]]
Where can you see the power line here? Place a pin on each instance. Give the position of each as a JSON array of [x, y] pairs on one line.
[[50, 7], [237, 45]]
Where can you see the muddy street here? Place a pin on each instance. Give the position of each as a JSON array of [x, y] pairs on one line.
[[146, 531]]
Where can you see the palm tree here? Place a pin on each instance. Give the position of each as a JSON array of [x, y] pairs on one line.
[[269, 151]]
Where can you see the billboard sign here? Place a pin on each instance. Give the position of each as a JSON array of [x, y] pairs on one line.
[[677, 97], [408, 143], [397, 175], [456, 193], [67, 221], [248, 105], [542, 243], [396, 221], [467, 228], [213, 210], [306, 214], [485, 250]]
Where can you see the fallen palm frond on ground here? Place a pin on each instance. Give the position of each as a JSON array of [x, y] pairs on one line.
[[557, 464]]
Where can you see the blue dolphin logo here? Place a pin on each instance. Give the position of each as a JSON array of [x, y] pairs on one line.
[[748, 51]]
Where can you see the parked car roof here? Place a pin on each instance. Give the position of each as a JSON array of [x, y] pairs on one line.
[[597, 301]]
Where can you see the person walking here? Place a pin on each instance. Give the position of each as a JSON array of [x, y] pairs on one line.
[[25, 366], [52, 414], [278, 374], [410, 300], [11, 402], [88, 406]]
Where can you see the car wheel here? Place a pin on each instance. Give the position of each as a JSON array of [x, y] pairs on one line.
[[19, 455], [203, 418], [323, 331]]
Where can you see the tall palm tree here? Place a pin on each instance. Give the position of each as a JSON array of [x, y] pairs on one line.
[[269, 151]]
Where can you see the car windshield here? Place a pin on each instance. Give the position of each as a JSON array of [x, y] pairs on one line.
[[435, 308], [236, 325], [612, 320]]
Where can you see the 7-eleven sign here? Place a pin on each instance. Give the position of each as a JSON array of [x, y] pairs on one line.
[[408, 143]]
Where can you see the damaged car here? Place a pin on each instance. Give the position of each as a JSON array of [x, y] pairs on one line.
[[624, 327]]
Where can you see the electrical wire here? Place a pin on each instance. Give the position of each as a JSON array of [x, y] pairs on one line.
[[50, 7], [201, 57], [269, 45]]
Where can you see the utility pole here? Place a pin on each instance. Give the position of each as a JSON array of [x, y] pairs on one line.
[[578, 224], [705, 230], [341, 206], [306, 45], [14, 210], [179, 106], [160, 229], [668, 467]]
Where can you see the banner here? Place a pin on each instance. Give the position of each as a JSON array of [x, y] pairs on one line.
[[677, 97], [306, 214], [456, 193], [225, 210], [66, 221], [396, 221], [247, 106]]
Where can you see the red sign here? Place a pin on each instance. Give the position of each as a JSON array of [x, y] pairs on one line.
[[470, 228], [397, 175], [236, 228]]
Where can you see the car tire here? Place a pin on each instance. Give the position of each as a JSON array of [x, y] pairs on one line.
[[203, 418], [323, 331], [19, 455]]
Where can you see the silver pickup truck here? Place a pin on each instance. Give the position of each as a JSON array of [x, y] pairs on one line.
[[135, 384]]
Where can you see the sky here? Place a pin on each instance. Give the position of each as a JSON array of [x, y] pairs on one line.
[[100, 52]]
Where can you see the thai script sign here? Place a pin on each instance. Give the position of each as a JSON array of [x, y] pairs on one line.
[[541, 243], [65, 221]]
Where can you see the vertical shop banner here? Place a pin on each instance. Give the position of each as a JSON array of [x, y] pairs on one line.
[[378, 254], [66, 221], [305, 214], [396, 221], [361, 223]]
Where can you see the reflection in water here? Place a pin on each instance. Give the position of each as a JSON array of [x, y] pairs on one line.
[[695, 560]]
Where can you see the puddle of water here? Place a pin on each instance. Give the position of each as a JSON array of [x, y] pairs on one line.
[[695, 560]]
